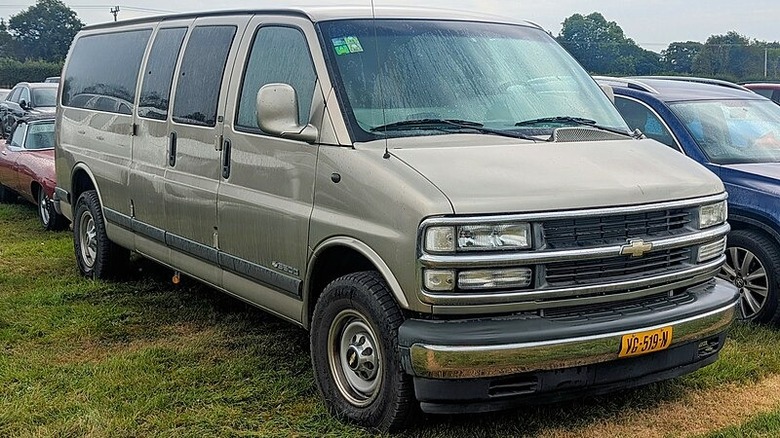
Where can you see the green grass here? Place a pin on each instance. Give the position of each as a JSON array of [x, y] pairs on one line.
[[143, 357]]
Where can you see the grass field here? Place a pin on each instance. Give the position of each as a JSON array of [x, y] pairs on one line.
[[142, 357]]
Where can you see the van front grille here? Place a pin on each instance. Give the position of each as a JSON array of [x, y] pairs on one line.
[[606, 230], [574, 273]]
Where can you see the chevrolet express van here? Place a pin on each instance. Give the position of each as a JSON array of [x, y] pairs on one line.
[[447, 202]]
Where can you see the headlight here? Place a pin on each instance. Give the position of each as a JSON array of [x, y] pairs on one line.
[[713, 214], [478, 237]]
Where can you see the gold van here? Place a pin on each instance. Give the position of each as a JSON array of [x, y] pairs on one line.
[[448, 202]]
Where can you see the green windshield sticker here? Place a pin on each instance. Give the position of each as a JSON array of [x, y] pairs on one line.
[[346, 45]]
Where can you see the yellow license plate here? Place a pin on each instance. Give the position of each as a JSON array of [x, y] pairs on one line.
[[635, 344]]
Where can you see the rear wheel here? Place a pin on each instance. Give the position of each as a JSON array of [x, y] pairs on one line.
[[752, 264], [354, 347], [47, 214], [97, 257]]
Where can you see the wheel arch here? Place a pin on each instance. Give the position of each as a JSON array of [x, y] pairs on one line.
[[82, 179], [339, 256], [746, 221]]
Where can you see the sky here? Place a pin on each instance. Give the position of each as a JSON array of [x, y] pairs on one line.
[[653, 24]]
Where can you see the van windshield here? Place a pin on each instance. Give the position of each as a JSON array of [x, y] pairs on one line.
[[391, 71]]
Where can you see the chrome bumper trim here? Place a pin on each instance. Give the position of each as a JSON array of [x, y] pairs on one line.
[[697, 273], [463, 362]]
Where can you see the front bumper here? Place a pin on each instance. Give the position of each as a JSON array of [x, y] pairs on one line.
[[505, 346]]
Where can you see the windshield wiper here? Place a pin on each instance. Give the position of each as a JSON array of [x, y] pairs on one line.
[[448, 125], [569, 120]]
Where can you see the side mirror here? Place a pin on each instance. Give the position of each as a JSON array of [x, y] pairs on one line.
[[277, 113], [23, 104]]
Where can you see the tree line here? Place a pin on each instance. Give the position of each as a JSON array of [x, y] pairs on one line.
[[34, 42], [602, 47]]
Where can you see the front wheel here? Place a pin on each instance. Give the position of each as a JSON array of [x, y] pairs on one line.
[[97, 257], [47, 214], [752, 265], [354, 348]]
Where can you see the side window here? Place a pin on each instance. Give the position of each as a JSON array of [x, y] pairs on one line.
[[278, 55], [640, 117], [200, 75], [24, 95], [18, 138], [158, 77], [14, 96], [95, 69], [776, 96]]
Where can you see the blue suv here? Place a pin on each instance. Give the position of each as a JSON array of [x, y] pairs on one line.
[[736, 134]]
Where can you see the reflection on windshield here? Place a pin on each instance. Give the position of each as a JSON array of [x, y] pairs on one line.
[[45, 96], [391, 71], [734, 131]]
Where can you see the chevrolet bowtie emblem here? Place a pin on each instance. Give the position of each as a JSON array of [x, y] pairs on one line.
[[636, 248]]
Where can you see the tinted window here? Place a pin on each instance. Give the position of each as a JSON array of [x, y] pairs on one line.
[[25, 95], [200, 76], [105, 65], [279, 55], [14, 96], [638, 116], [44, 96], [156, 90], [763, 92], [40, 136]]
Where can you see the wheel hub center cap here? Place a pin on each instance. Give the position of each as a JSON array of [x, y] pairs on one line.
[[361, 358], [352, 358], [739, 282]]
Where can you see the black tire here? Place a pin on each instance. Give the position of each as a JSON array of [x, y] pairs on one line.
[[354, 306], [754, 253], [97, 257], [47, 214], [7, 195]]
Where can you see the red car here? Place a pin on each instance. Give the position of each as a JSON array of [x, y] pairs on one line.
[[27, 168]]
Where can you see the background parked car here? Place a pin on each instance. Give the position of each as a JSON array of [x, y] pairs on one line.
[[27, 168], [27, 99], [52, 79], [736, 134], [770, 91]]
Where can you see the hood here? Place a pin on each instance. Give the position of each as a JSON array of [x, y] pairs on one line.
[[516, 177], [764, 177]]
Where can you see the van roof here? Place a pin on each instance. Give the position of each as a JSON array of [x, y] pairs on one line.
[[323, 13]]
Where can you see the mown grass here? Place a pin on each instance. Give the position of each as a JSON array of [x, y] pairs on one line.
[[142, 357]]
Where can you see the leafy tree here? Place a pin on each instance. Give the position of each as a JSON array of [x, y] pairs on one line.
[[730, 55], [44, 30], [6, 42], [602, 47], [679, 56]]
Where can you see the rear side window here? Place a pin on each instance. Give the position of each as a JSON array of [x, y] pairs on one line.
[[105, 65], [14, 96], [279, 55], [200, 75], [158, 77]]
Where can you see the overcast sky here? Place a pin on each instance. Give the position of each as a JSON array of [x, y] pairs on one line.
[[651, 23]]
